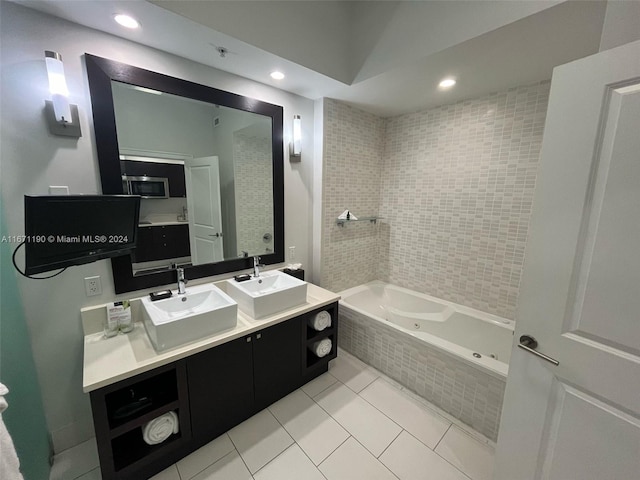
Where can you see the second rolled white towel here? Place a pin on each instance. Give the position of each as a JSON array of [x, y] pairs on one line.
[[322, 347], [320, 320], [159, 429]]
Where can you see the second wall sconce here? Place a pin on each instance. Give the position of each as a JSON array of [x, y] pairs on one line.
[[62, 117], [295, 147]]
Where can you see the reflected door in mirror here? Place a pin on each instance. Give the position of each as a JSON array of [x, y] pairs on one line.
[[203, 199]]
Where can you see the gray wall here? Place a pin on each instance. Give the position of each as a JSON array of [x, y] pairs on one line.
[[32, 159], [621, 23]]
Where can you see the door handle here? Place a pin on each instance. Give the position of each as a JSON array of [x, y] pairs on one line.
[[217, 235], [528, 343]]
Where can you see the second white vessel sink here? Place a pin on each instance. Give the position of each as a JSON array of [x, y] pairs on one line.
[[202, 311], [270, 293]]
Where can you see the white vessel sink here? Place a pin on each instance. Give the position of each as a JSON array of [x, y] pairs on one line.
[[270, 293], [202, 311]]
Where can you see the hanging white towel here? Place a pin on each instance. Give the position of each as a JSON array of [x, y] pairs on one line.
[[322, 347], [159, 429], [347, 215], [9, 463], [320, 321]]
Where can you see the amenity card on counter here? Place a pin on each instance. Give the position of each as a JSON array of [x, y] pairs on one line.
[[118, 318]]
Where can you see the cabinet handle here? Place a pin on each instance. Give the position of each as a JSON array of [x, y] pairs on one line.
[[248, 339], [258, 336]]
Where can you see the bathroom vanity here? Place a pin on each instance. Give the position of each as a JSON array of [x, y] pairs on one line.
[[212, 384]]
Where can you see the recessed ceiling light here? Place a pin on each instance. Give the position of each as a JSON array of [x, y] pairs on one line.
[[126, 21], [447, 83], [277, 75]]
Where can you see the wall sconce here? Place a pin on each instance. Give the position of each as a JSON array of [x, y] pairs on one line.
[[295, 147], [62, 118]]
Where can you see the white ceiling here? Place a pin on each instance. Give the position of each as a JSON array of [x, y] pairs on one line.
[[385, 57]]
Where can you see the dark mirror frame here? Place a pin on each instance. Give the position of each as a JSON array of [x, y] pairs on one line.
[[100, 73]]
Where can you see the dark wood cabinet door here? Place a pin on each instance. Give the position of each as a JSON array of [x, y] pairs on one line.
[[220, 388], [163, 242], [176, 240], [276, 362]]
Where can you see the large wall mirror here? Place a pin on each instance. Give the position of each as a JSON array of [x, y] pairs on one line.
[[207, 163]]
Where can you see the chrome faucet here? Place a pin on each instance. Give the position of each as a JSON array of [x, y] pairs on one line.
[[181, 281], [256, 266]]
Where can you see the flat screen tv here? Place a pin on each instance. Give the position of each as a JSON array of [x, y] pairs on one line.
[[66, 230]]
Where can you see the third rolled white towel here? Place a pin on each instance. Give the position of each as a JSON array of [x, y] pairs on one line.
[[322, 347], [159, 429], [320, 320]]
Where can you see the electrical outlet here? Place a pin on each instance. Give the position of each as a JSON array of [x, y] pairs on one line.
[[292, 254], [92, 286]]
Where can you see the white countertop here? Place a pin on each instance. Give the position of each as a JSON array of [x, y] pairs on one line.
[[161, 224], [109, 360]]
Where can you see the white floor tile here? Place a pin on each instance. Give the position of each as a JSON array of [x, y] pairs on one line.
[[370, 427], [76, 461], [259, 440], [170, 473], [426, 426], [203, 457], [230, 467], [292, 464], [472, 457], [352, 372], [353, 462], [310, 426], [318, 384], [410, 459]]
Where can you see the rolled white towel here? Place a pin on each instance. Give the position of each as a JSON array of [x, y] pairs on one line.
[[320, 320], [322, 347], [159, 429]]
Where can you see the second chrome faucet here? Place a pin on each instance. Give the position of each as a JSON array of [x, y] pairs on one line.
[[181, 281], [256, 266]]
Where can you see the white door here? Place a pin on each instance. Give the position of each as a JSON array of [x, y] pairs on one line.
[[580, 295], [203, 201]]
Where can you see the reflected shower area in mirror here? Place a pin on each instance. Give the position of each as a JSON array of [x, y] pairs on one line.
[[207, 163], [217, 164]]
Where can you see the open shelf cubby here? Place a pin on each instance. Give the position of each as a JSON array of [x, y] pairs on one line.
[[130, 448], [151, 395], [120, 412], [313, 360]]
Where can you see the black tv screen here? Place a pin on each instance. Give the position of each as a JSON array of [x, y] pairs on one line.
[[66, 230]]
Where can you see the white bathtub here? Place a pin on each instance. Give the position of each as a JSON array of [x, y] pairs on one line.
[[479, 338]]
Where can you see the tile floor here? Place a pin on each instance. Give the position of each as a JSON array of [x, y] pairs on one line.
[[351, 423]]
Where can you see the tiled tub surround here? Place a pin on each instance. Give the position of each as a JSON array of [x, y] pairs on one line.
[[352, 159], [469, 389], [253, 184], [457, 189], [454, 185]]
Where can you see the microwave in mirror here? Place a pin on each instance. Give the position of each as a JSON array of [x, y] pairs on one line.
[[146, 187]]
